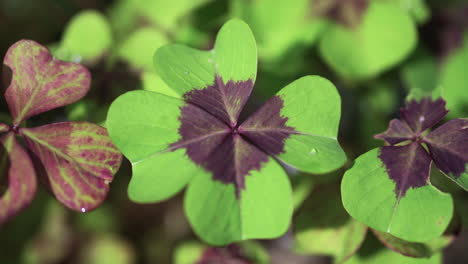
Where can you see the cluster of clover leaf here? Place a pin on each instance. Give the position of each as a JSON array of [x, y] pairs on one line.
[[236, 188], [193, 137], [77, 159]]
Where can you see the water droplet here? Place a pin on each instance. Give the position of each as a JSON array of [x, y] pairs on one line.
[[76, 58], [210, 60], [83, 210], [422, 118], [186, 72], [313, 151]]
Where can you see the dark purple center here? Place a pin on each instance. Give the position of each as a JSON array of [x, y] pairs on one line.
[[408, 165], [213, 139]]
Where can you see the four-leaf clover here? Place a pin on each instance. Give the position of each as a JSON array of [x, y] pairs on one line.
[[389, 188], [237, 189]]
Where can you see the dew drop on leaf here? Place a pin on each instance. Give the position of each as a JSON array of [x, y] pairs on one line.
[[313, 151]]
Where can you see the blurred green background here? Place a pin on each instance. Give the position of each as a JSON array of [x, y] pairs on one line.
[[377, 53]]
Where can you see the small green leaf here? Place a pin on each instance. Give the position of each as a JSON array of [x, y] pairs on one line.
[[124, 18], [369, 49], [275, 37], [369, 195], [138, 49], [167, 14], [87, 37], [107, 249], [323, 227], [188, 252], [18, 169], [454, 81]]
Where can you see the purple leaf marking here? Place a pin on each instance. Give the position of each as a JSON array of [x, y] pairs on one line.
[[213, 139], [423, 114], [222, 100], [21, 178], [267, 128], [408, 166], [397, 132], [39, 82], [448, 145], [79, 159]]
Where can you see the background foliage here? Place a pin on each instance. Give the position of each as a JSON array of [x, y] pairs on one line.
[[376, 57]]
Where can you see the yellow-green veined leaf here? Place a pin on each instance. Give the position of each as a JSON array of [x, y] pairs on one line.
[[17, 171], [40, 83], [79, 159]]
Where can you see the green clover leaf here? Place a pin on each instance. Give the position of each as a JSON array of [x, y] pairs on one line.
[[385, 36]]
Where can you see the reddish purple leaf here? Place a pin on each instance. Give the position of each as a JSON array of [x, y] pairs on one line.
[[408, 166], [397, 132], [21, 177], [79, 159], [448, 145], [423, 114], [39, 82]]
